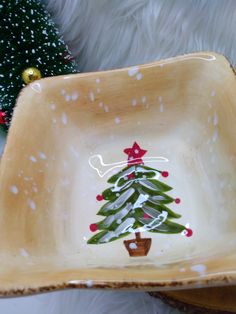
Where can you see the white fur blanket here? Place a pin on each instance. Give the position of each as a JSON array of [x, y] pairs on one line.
[[104, 34]]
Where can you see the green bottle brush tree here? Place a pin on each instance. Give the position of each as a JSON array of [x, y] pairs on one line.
[[30, 48]]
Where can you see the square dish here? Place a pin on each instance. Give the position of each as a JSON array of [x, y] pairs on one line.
[[70, 133]]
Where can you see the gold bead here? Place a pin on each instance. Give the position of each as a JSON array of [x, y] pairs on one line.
[[31, 74]]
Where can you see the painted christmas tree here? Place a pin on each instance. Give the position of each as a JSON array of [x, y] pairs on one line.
[[30, 48], [137, 202]]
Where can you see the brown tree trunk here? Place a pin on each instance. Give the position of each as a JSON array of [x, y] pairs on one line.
[[138, 236]]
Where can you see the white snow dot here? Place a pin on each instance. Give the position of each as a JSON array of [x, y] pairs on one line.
[[53, 106], [98, 80], [31, 204], [132, 71], [14, 189], [184, 232], [34, 189], [24, 253], [133, 246], [134, 102], [182, 269], [139, 76], [36, 87], [143, 99], [200, 269], [215, 119], [89, 283], [119, 221], [67, 97], [213, 93], [136, 151], [106, 108], [161, 107], [91, 96], [74, 96], [42, 155], [33, 159], [64, 118], [215, 135], [117, 120]]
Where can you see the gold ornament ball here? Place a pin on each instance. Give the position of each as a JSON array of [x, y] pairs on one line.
[[31, 74]]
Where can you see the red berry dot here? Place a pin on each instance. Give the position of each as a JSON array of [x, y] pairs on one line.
[[130, 176], [93, 227], [177, 200], [189, 232], [99, 197], [146, 216], [165, 174], [2, 115]]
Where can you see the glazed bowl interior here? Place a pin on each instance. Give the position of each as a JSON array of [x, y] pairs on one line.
[[182, 109]]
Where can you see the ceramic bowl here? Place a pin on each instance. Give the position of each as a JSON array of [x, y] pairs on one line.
[[70, 134]]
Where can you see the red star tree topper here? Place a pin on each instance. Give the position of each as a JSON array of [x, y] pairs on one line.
[[137, 202], [135, 154]]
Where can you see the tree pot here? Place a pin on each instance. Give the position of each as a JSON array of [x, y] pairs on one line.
[[138, 246]]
